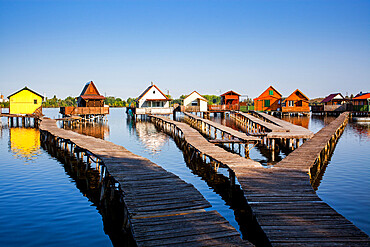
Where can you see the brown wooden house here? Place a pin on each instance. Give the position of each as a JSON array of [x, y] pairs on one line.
[[90, 96], [296, 102], [230, 98], [269, 100]]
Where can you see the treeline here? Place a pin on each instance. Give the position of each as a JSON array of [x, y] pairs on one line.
[[116, 102], [212, 99], [55, 102], [72, 101]]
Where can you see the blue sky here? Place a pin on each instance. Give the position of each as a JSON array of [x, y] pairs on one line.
[[55, 47]]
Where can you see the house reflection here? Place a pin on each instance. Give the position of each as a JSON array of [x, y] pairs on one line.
[[303, 121], [97, 130], [152, 139], [24, 142], [362, 129]]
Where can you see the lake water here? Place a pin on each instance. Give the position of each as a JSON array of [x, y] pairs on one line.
[[40, 204]]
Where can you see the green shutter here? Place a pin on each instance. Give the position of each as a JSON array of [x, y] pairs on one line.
[[267, 103], [271, 92]]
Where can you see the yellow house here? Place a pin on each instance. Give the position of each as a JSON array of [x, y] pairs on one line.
[[25, 101]]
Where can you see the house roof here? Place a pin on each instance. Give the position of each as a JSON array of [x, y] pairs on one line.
[[330, 97], [85, 90], [200, 96], [299, 91], [268, 96], [229, 92], [26, 88], [147, 90], [362, 96]]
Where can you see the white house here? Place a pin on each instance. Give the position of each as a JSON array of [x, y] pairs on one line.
[[195, 102], [153, 101]]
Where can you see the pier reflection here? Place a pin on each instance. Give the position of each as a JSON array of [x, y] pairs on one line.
[[89, 181], [24, 143]]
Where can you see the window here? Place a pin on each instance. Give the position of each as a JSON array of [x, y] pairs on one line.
[[271, 92], [35, 101], [267, 103], [153, 91], [290, 103]]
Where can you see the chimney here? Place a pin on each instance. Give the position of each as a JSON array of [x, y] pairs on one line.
[[151, 83]]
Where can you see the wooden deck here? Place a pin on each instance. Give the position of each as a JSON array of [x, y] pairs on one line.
[[282, 198], [163, 209]]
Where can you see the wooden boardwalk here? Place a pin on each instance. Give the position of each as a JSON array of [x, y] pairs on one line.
[[201, 146], [163, 209], [273, 127], [243, 137], [282, 198]]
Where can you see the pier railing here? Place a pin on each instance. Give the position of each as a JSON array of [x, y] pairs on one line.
[[72, 110], [223, 108]]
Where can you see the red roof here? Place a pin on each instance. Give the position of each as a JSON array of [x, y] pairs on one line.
[[362, 96], [90, 92], [230, 92]]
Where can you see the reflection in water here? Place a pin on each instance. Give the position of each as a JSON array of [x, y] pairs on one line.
[[303, 121], [98, 130], [362, 129], [152, 139], [89, 182], [24, 143]]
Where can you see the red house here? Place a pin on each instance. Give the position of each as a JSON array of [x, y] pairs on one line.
[[230, 98], [269, 100]]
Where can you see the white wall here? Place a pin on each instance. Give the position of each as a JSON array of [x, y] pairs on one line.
[[153, 93], [195, 96]]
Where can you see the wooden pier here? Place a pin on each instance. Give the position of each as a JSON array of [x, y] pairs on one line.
[[200, 146], [162, 209], [282, 198], [221, 134], [272, 129]]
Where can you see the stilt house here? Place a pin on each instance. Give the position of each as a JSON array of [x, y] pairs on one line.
[[296, 102], [25, 101], [269, 100], [90, 105]]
